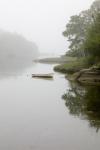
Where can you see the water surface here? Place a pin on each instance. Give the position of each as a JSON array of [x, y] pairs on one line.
[[33, 114]]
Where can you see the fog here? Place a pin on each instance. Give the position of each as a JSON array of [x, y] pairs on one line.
[[33, 115], [16, 53], [41, 21]]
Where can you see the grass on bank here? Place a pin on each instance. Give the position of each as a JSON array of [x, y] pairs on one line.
[[73, 67]]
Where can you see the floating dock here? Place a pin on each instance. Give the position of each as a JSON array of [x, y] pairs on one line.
[[43, 76]]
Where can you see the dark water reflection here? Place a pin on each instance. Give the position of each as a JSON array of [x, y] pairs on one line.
[[84, 102], [33, 115]]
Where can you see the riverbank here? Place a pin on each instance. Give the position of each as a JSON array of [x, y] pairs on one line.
[[86, 76], [79, 71], [56, 60], [75, 69]]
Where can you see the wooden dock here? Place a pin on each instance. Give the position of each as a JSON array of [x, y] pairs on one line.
[[47, 76]]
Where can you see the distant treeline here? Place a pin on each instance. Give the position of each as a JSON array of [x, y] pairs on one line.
[[16, 52], [83, 34], [14, 46]]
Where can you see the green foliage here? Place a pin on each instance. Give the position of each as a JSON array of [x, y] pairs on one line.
[[92, 43], [75, 32], [83, 33], [72, 67], [89, 61]]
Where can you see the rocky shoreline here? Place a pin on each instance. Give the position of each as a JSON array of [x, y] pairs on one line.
[[74, 69], [86, 76], [75, 72]]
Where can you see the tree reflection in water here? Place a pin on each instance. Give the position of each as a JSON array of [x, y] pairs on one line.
[[84, 102]]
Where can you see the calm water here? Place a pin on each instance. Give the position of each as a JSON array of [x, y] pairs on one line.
[[38, 114]]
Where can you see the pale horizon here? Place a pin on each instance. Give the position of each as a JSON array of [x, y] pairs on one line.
[[41, 21]]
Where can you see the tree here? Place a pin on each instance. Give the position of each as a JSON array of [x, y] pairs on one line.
[[76, 29], [92, 43]]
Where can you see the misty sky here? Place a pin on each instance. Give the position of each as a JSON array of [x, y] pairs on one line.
[[42, 21]]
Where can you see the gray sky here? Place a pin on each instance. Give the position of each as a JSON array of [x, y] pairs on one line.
[[42, 21]]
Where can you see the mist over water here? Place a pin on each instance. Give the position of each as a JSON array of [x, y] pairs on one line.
[[16, 53], [39, 114], [34, 116]]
